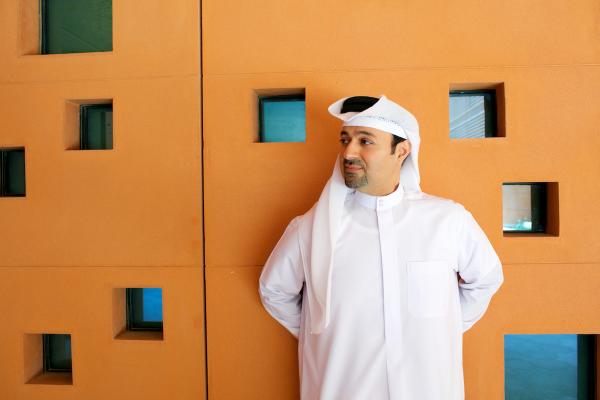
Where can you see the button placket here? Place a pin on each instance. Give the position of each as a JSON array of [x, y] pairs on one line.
[[389, 278]]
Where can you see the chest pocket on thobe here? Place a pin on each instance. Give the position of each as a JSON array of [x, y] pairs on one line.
[[428, 288]]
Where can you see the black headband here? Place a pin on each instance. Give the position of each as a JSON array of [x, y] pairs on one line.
[[358, 103]]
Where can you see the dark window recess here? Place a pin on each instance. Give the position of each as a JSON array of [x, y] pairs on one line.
[[12, 172], [144, 309], [57, 353], [524, 207], [473, 114], [96, 127], [587, 386], [75, 26], [282, 118]]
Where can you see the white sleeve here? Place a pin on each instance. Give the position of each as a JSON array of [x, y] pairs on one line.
[[282, 278], [480, 270]]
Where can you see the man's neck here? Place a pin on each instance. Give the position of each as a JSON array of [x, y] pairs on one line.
[[382, 191]]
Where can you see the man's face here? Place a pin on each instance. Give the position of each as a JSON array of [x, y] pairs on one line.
[[367, 161]]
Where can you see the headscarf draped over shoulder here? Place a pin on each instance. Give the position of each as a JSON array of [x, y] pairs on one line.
[[387, 116]]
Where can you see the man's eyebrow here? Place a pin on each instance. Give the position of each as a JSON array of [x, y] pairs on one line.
[[342, 133], [367, 133]]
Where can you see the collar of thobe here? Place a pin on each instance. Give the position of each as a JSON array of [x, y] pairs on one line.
[[380, 202], [327, 214]]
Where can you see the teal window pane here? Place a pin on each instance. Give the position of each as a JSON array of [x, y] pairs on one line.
[[12, 172], [282, 119], [144, 309], [96, 127], [472, 114], [152, 304], [524, 207], [76, 26], [542, 367], [57, 352]]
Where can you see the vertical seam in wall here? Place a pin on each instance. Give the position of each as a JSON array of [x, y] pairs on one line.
[[202, 197]]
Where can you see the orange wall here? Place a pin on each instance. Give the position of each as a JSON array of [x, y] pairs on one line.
[[93, 221], [69, 243], [545, 53]]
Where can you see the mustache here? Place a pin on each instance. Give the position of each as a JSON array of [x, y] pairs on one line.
[[348, 163]]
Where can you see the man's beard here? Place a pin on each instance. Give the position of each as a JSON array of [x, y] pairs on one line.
[[355, 180]]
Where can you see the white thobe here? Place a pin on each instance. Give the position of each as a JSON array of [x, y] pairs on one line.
[[398, 309]]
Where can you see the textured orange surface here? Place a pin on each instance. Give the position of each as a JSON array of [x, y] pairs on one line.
[[96, 221]]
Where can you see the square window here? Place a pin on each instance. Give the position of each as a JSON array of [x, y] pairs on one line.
[[57, 353], [12, 172], [47, 359], [144, 309], [81, 26], [282, 118], [549, 366], [96, 127], [473, 114], [524, 207], [530, 208]]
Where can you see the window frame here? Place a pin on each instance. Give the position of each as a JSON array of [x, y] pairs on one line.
[[586, 382], [277, 98], [587, 362], [539, 210], [135, 305], [84, 109], [490, 108], [4, 171], [44, 27], [47, 354], [43, 21]]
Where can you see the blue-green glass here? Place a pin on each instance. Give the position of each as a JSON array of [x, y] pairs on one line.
[[144, 309], [544, 367], [76, 26], [57, 352], [15, 173], [152, 304], [282, 120], [97, 123]]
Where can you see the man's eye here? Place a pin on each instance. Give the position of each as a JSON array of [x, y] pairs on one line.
[[344, 141], [365, 141]]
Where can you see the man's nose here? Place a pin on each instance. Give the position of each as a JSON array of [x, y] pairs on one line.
[[351, 150]]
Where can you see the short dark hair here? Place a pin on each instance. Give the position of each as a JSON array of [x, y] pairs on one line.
[[395, 141]]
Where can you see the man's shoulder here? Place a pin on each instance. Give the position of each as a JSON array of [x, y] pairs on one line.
[[430, 201], [301, 225], [305, 221]]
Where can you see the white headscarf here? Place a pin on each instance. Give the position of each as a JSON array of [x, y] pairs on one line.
[[386, 116]]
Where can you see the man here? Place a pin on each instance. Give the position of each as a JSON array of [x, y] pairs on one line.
[[379, 280]]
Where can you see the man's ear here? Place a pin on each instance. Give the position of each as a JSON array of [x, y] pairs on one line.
[[403, 148]]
